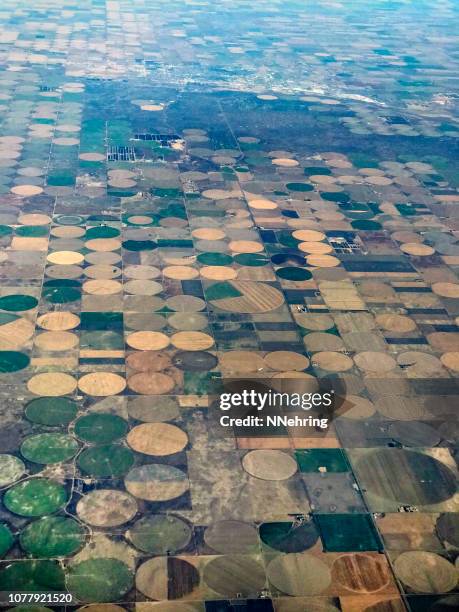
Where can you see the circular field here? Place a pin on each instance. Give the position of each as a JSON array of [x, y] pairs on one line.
[[51, 411], [11, 469], [106, 461], [269, 464], [244, 297], [106, 508], [166, 578], [448, 528], [425, 572], [156, 482], [100, 428], [52, 536], [160, 534], [288, 538], [406, 477], [299, 574], [99, 579], [361, 573], [232, 574], [49, 448], [160, 439], [35, 497]]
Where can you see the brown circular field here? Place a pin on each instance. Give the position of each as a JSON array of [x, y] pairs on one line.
[[361, 573], [148, 361], [151, 383]]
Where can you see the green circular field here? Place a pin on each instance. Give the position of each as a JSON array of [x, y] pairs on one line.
[[52, 536], [35, 497]]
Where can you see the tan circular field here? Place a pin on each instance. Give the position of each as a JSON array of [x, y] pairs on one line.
[[102, 287], [396, 322], [374, 362], [142, 287], [284, 162], [357, 408], [140, 272], [26, 191], [241, 362], [14, 334], [255, 297], [451, 360], [101, 384], [103, 244], [92, 157], [426, 572], [299, 574], [245, 246], [208, 233], [147, 341], [269, 464], [323, 261], [56, 341], [308, 235], [416, 249], [286, 360], [156, 482], [53, 384], [315, 248], [192, 341], [218, 273], [34, 219], [448, 290], [158, 439], [65, 258], [58, 321], [180, 272], [331, 361]]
